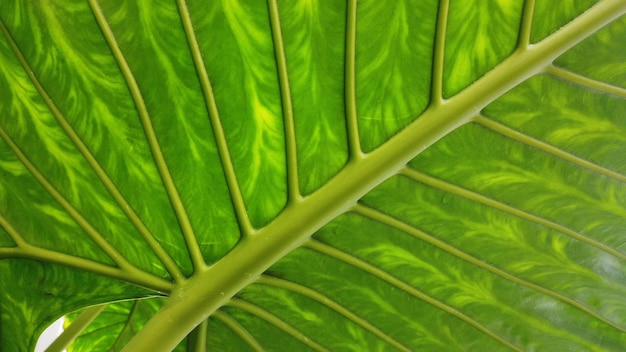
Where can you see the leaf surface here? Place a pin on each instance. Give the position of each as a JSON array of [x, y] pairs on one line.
[[416, 175]]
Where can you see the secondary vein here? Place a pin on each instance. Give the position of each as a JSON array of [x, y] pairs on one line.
[[285, 94], [436, 88], [354, 143]]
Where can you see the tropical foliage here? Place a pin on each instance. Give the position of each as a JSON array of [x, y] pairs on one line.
[[326, 175]]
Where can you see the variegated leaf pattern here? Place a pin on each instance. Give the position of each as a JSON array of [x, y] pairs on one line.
[[314, 175]]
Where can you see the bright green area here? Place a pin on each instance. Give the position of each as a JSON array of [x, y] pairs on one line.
[[358, 176], [479, 35]]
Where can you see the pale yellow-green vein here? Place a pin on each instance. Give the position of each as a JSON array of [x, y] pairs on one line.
[[585, 81], [320, 298], [526, 25], [196, 341], [130, 274], [11, 252], [436, 90], [69, 208], [276, 321], [285, 95], [166, 177], [239, 330], [354, 143], [383, 275], [462, 192], [218, 131], [167, 261], [547, 148], [416, 233]]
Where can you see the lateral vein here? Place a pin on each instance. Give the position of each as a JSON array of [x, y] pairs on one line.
[[526, 25], [285, 94], [436, 88], [352, 126]]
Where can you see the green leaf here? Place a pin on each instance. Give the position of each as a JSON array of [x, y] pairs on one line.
[[298, 175]]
